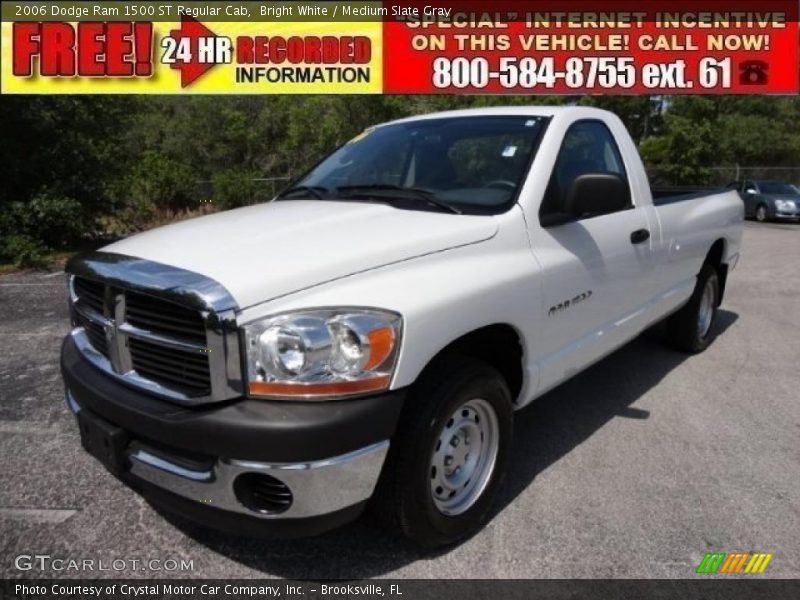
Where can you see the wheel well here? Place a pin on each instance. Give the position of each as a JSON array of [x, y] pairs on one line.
[[498, 345], [714, 258]]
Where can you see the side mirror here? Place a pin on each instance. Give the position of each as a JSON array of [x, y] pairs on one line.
[[750, 192], [595, 194]]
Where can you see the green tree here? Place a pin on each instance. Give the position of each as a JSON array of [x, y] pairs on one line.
[[68, 160], [686, 149], [642, 115]]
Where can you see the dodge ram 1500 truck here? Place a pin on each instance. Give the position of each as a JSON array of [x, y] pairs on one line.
[[369, 334]]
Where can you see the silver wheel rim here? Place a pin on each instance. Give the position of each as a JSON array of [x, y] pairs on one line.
[[464, 457], [706, 312], [761, 213]]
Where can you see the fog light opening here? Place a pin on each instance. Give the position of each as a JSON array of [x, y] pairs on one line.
[[262, 493]]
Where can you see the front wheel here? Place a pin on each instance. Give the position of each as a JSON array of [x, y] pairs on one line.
[[691, 329], [450, 453], [761, 214]]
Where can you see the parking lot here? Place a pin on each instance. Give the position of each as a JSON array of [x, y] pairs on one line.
[[634, 469]]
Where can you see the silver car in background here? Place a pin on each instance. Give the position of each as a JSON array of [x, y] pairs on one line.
[[768, 200]]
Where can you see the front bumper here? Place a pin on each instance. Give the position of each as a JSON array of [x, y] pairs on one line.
[[328, 454], [785, 213]]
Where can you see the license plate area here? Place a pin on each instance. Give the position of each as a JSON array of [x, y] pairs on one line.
[[104, 441]]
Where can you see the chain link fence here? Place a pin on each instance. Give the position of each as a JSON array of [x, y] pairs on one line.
[[720, 176], [264, 189]]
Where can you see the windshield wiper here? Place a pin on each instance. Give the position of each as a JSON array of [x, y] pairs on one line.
[[411, 193], [314, 190]]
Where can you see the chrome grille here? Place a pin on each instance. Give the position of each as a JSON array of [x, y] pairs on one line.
[[92, 293], [175, 336], [95, 333], [181, 369], [163, 317], [163, 342]]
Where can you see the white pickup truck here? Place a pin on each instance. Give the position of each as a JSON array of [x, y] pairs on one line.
[[369, 334]]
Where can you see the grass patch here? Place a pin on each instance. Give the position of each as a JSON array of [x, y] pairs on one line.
[[50, 261]]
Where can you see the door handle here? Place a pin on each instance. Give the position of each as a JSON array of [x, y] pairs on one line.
[[640, 236]]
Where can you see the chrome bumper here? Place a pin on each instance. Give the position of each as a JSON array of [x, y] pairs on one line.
[[318, 487]]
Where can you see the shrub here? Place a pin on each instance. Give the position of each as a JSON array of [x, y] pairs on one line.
[[22, 251], [163, 182], [136, 215], [52, 220], [28, 229], [55, 220], [235, 187]]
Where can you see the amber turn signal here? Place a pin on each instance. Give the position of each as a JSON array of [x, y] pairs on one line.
[[319, 389]]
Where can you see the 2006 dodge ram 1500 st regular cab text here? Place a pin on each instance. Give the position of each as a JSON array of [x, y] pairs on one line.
[[368, 335]]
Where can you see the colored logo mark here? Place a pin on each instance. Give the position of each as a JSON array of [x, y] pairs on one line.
[[734, 564]]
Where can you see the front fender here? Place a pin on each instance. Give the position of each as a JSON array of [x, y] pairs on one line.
[[442, 297]]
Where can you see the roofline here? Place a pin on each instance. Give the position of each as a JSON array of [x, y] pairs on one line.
[[531, 111]]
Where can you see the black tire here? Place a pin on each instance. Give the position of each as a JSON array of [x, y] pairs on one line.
[[404, 498], [761, 214], [683, 329]]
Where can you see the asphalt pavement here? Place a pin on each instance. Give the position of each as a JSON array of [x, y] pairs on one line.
[[634, 469]]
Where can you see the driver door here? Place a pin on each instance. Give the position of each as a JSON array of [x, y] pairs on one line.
[[597, 270]]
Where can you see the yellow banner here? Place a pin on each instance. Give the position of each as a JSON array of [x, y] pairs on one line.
[[192, 57]]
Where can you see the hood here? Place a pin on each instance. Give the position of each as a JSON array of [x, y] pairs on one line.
[[262, 252]]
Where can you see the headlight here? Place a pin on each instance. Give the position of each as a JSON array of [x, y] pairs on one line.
[[784, 204], [322, 353]]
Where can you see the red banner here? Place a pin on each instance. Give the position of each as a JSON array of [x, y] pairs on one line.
[[570, 47]]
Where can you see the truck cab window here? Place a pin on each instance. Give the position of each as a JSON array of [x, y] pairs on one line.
[[588, 147], [475, 164]]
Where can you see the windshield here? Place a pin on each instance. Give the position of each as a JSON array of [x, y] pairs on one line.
[[472, 164], [777, 187]]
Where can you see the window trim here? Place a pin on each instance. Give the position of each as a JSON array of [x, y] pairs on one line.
[[543, 218]]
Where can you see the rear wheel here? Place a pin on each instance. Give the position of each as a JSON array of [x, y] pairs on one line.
[[761, 214], [691, 329], [449, 455]]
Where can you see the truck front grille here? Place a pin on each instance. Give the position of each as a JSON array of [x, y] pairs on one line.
[[92, 293], [162, 343], [163, 317], [95, 333], [180, 369]]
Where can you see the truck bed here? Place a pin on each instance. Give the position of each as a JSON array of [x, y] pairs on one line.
[[670, 195]]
